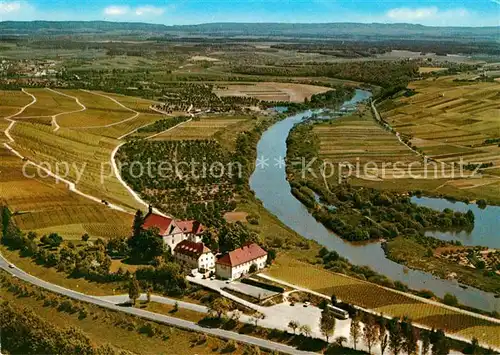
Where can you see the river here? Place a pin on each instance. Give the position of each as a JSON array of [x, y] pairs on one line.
[[270, 185], [486, 230]]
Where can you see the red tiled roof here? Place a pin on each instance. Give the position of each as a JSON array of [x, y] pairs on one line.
[[160, 222], [191, 249], [191, 226], [242, 255]]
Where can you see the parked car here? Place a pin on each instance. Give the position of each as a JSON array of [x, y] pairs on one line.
[[306, 304]]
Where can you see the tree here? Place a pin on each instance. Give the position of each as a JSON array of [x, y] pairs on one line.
[[32, 235], [426, 343], [450, 300], [474, 346], [410, 337], [134, 290], [236, 315], [440, 345], [146, 245], [355, 331], [340, 341], [334, 300], [382, 336], [53, 240], [258, 316], [85, 237], [138, 222], [148, 295], [253, 268], [271, 256], [219, 306], [176, 307], [118, 247], [293, 325], [305, 330], [370, 332], [327, 323], [6, 220], [396, 337]]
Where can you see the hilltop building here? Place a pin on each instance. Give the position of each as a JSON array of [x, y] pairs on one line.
[[173, 232]]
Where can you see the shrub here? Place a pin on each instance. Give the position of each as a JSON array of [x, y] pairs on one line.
[[450, 300]]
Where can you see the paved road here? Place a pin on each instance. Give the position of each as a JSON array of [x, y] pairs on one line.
[[176, 322]]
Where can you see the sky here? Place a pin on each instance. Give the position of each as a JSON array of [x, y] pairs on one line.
[[181, 12]]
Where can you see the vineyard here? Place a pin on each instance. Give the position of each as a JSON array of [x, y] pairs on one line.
[[12, 101], [81, 155], [44, 206], [48, 103], [452, 122], [391, 303]]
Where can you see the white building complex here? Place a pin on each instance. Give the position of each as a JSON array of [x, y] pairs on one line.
[[237, 263], [196, 255]]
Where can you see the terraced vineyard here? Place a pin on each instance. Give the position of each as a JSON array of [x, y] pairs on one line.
[[80, 155], [454, 123], [382, 300], [375, 155], [48, 103], [44, 206], [12, 101]]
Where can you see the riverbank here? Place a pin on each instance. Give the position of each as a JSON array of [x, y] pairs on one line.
[[414, 255], [272, 188], [360, 214]]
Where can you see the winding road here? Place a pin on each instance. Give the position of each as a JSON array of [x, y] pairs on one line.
[[172, 321]]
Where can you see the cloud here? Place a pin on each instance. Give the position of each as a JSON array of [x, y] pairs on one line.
[[143, 10], [116, 10], [9, 7], [149, 10], [424, 15]]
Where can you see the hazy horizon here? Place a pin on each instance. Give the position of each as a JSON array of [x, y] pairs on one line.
[[457, 13]]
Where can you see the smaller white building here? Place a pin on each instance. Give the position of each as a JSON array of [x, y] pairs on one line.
[[196, 255], [237, 263]]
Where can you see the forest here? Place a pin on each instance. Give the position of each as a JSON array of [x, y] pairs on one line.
[[382, 73]]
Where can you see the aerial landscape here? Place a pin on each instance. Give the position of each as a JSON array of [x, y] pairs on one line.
[[251, 177]]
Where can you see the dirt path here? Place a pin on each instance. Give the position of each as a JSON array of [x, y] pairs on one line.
[[54, 117], [135, 113], [119, 177], [12, 122], [71, 185]]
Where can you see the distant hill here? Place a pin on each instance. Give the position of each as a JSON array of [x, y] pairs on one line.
[[294, 30]]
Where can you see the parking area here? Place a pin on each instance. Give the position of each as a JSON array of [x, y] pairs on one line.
[[249, 290]]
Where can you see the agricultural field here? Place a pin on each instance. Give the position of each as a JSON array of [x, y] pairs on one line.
[[48, 103], [83, 153], [45, 206], [454, 123], [12, 101], [359, 141], [425, 70], [80, 155], [99, 111], [391, 303], [202, 128], [270, 91]]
